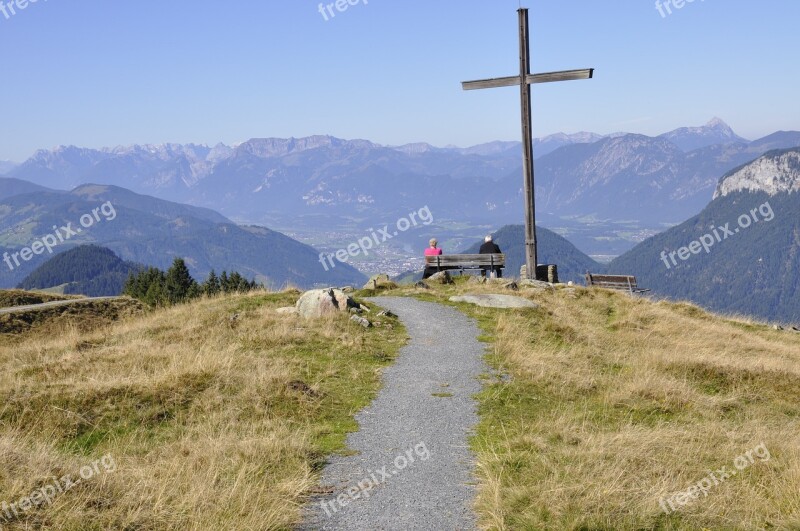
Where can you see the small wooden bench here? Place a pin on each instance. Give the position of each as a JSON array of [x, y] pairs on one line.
[[463, 262], [618, 282]]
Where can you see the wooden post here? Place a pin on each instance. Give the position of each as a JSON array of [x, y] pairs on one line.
[[527, 145]]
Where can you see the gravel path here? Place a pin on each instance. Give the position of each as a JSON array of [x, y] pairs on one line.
[[414, 468], [52, 304]]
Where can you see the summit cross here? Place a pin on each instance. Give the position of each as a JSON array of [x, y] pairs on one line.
[[524, 80]]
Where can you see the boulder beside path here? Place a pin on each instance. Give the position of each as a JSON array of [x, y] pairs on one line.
[[319, 302]]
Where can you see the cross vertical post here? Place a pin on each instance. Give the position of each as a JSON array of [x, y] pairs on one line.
[[527, 145], [524, 80]]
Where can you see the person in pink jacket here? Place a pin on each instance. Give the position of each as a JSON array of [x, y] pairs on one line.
[[433, 250]]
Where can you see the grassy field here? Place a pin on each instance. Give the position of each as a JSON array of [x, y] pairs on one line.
[[605, 412], [214, 415], [613, 407], [18, 297], [82, 316]]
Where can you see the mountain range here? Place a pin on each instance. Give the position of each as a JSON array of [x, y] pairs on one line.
[[6, 166], [740, 254], [610, 191], [153, 232], [747, 269], [11, 187]]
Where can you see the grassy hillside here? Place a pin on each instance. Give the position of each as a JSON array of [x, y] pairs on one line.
[[615, 403], [18, 297], [603, 408], [210, 421], [604, 404], [82, 316]]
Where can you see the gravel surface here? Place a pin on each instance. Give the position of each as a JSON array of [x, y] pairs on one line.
[[414, 466], [52, 304]]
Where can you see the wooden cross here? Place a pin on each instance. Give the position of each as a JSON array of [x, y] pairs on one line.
[[525, 79]]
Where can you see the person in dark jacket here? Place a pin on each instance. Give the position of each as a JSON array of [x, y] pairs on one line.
[[489, 247]]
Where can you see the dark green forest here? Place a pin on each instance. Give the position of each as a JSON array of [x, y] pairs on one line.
[[175, 286], [88, 270], [753, 271]]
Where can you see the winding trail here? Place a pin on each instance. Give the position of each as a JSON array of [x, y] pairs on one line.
[[52, 304], [414, 465]]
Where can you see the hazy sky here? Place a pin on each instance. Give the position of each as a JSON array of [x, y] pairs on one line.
[[102, 73]]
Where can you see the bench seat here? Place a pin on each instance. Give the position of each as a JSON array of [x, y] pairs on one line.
[[444, 262], [618, 282]]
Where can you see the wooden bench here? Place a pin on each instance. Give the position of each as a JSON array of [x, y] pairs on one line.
[[462, 262], [617, 282]]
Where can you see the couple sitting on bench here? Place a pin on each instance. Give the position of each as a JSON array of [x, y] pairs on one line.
[[494, 261]]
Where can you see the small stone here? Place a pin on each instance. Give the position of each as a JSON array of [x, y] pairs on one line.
[[386, 313], [511, 286], [777, 327], [535, 284], [380, 281], [360, 320], [442, 277], [421, 285]]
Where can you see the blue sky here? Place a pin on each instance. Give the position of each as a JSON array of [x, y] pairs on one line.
[[98, 73]]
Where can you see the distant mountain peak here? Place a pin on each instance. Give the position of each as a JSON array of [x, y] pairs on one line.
[[717, 122], [716, 131], [774, 173], [277, 147], [416, 148]]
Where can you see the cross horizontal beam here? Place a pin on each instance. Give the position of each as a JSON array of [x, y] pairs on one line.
[[531, 79]]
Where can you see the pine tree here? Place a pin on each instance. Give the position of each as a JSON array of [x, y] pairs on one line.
[[179, 285], [211, 286], [224, 282], [156, 295]]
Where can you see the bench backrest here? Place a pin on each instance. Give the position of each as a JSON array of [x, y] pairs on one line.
[[621, 282], [466, 260]]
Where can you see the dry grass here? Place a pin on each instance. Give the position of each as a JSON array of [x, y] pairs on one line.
[[615, 402], [609, 403], [79, 317], [18, 297], [213, 422]]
